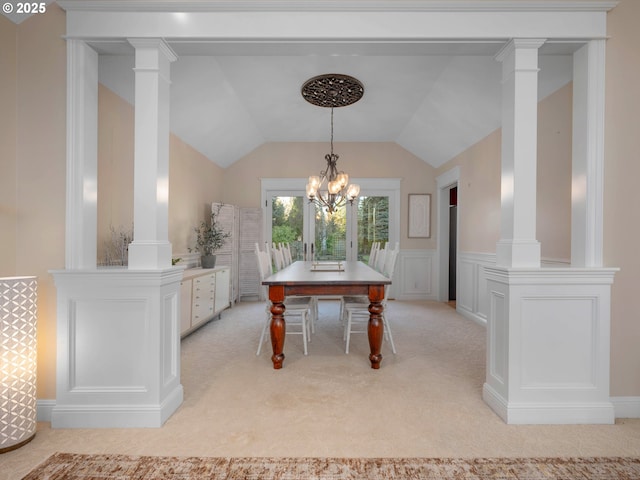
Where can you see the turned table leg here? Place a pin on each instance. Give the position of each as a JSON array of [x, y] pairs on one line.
[[376, 327], [277, 327]]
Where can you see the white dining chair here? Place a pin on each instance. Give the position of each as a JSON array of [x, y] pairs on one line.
[[286, 254], [278, 258], [381, 256], [372, 254], [283, 259], [357, 312], [298, 310]]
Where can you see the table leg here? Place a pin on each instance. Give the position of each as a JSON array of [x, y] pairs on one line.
[[277, 327], [376, 327]]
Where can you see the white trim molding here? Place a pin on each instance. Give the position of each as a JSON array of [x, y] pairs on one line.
[[471, 291], [118, 356], [548, 345], [416, 275], [626, 407], [340, 5]]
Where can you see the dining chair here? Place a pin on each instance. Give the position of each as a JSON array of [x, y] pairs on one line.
[[286, 253], [297, 309], [381, 258], [357, 312], [372, 254], [284, 259], [278, 258]]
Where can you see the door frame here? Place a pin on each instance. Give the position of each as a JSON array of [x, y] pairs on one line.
[[445, 182]]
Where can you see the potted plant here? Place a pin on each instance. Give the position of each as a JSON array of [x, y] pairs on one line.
[[210, 237]]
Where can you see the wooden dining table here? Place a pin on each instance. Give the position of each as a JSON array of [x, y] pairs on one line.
[[326, 279]]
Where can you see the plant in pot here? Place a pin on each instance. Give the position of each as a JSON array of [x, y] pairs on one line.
[[210, 238]]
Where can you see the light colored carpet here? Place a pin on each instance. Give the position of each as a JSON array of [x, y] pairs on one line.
[[423, 402]]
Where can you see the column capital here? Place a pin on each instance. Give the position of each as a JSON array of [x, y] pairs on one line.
[[518, 44], [154, 44]]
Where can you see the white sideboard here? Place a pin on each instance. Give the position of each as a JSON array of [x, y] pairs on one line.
[[204, 293]]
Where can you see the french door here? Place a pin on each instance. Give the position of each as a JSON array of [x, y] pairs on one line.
[[309, 230], [347, 234]]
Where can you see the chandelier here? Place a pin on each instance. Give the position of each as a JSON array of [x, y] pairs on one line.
[[332, 90]]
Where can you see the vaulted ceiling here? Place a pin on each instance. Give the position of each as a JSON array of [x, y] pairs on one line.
[[433, 99]]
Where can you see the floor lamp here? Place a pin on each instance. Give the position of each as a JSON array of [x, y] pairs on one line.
[[18, 299]]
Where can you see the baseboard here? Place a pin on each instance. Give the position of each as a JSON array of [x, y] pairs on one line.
[[116, 416], [479, 319], [578, 413], [44, 409], [626, 407]]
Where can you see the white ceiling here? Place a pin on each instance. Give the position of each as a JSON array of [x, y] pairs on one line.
[[433, 99]]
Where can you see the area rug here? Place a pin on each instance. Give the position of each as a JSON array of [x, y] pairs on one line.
[[71, 466]]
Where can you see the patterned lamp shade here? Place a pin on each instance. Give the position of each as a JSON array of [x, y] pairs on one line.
[[18, 298]]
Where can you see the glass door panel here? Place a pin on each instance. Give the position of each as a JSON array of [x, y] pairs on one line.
[[373, 224], [330, 234], [287, 223]]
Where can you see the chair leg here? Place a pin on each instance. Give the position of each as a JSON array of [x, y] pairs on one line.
[[262, 335], [347, 334], [387, 330], [304, 331]]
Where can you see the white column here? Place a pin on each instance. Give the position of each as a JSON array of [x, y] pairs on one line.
[[518, 246], [150, 248], [82, 156], [588, 155]]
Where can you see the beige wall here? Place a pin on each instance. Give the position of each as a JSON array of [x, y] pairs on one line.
[[362, 160], [8, 77], [479, 185], [478, 195], [41, 171], [33, 206], [621, 214], [194, 181]]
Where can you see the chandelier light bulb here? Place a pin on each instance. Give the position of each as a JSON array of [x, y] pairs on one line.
[[311, 191], [343, 179], [353, 191], [334, 187], [314, 182]]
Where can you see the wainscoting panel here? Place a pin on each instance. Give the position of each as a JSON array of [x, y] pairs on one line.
[[415, 275], [472, 298]]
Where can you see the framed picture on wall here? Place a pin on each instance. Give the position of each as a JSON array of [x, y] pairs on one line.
[[419, 215]]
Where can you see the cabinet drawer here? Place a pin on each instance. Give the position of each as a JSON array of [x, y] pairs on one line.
[[208, 279]]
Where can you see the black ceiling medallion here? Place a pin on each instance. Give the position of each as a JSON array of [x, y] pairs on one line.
[[332, 90]]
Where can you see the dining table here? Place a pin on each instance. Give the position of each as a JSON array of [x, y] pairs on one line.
[[317, 278]]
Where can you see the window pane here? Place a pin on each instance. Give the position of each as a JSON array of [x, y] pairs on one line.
[[330, 234], [287, 223], [373, 224]]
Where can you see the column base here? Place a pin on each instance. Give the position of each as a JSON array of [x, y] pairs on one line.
[[547, 413], [149, 255], [118, 356], [548, 345], [518, 253]]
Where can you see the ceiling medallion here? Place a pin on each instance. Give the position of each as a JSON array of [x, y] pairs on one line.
[[332, 90]]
